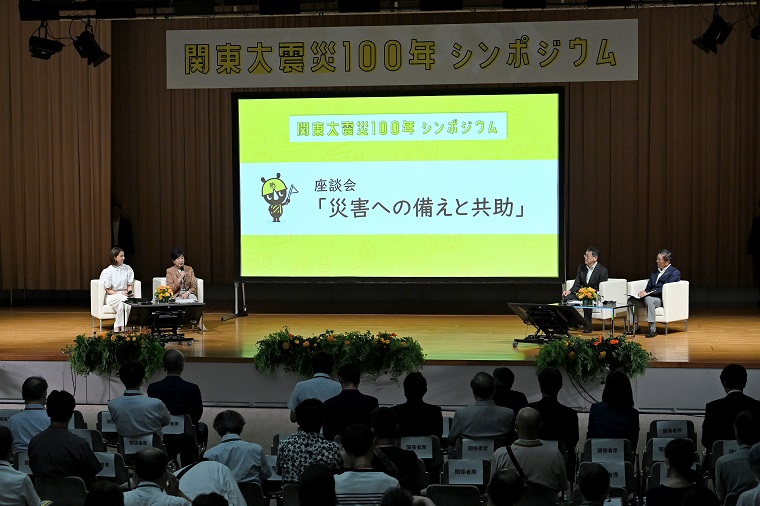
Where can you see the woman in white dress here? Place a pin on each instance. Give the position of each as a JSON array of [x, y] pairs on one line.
[[118, 279]]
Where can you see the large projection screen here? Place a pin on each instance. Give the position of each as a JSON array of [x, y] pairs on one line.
[[399, 187]]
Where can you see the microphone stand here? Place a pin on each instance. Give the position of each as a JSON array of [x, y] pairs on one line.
[[239, 311]]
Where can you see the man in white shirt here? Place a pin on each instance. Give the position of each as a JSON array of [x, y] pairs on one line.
[[33, 419], [135, 414], [16, 488], [320, 387], [207, 476], [155, 485]]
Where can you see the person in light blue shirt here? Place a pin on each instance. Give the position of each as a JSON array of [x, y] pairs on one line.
[[320, 387], [33, 419], [246, 460]]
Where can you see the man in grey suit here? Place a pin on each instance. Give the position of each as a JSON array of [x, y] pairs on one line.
[[590, 273], [484, 419]]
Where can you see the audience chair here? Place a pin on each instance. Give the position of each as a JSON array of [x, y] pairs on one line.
[[731, 499], [290, 494], [107, 429], [621, 477], [276, 442], [69, 491], [129, 446], [660, 473], [720, 448], [675, 302], [21, 462], [453, 495], [424, 479], [93, 438], [428, 449], [446, 427], [5, 415], [466, 472], [158, 281], [253, 494], [608, 450], [672, 429], [77, 421], [480, 448], [179, 431], [114, 469], [98, 307]]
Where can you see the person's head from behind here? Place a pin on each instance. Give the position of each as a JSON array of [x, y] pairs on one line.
[[415, 386], [550, 382], [754, 460], [211, 499], [679, 457], [505, 488], [131, 374], [355, 442], [60, 406], [482, 385], [349, 375], [528, 423], [174, 362], [229, 422], [747, 428], [322, 363], [34, 390], [733, 377], [594, 482], [617, 391], [384, 423], [397, 497], [310, 415], [104, 493], [6, 442], [150, 464], [700, 496], [317, 486], [504, 377]]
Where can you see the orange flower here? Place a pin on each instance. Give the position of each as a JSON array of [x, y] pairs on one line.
[[306, 343], [403, 343], [347, 342], [285, 346], [393, 334], [614, 341], [330, 338], [571, 355], [291, 335]]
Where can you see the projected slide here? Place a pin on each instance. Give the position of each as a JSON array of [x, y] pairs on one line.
[[454, 186]]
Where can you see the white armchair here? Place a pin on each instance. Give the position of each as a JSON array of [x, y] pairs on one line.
[[162, 281], [675, 302], [98, 307], [612, 289]]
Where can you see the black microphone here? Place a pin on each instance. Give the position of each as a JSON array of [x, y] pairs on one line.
[[182, 267]]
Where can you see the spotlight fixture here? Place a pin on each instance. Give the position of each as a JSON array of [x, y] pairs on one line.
[[42, 47], [88, 47], [716, 33]]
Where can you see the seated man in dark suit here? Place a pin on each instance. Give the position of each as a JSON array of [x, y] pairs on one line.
[[560, 423], [181, 398], [503, 395], [57, 452], [651, 296], [350, 406], [416, 417], [590, 274], [721, 414]]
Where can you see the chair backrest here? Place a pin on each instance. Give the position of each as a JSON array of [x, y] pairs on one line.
[[107, 428], [97, 298], [77, 420], [93, 438], [428, 449], [276, 441], [614, 289], [672, 429], [453, 495], [129, 446], [253, 494], [178, 425], [290, 494], [21, 462], [466, 472], [720, 448], [68, 491], [607, 450], [114, 469], [675, 300], [6, 414], [474, 449], [446, 426]]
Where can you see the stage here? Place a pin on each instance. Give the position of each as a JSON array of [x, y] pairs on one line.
[[456, 346]]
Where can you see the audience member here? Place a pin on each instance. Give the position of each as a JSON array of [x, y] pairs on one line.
[[359, 483], [721, 413], [615, 417], [679, 457], [752, 497], [58, 452], [208, 476], [503, 394], [505, 488], [732, 471], [350, 406], [307, 446], [155, 485], [16, 488], [484, 419], [390, 459], [560, 423], [135, 414], [700, 496], [402, 497], [317, 486], [212, 499], [593, 484], [33, 419], [321, 386], [248, 461], [416, 417], [536, 463], [104, 493], [181, 398]]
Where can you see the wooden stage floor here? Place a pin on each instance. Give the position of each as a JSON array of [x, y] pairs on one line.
[[716, 335]]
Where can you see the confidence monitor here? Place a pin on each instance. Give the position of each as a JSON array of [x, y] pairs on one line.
[[373, 186], [551, 321]]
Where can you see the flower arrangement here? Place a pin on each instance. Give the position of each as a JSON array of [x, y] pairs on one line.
[[592, 358], [587, 294], [373, 353], [164, 293], [103, 353]]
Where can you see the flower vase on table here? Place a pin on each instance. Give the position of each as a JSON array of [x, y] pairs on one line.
[[163, 294], [588, 296]]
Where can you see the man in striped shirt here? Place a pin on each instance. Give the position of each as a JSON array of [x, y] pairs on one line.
[[360, 485]]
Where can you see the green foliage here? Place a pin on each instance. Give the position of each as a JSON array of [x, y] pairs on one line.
[[593, 358], [373, 353], [103, 353]]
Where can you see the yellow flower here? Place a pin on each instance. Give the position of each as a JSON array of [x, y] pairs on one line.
[[571, 355], [285, 346], [602, 354], [297, 341], [403, 343], [347, 342], [306, 343]]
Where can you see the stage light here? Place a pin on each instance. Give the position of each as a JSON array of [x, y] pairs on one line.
[[272, 7], [43, 48], [88, 47], [716, 33]]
